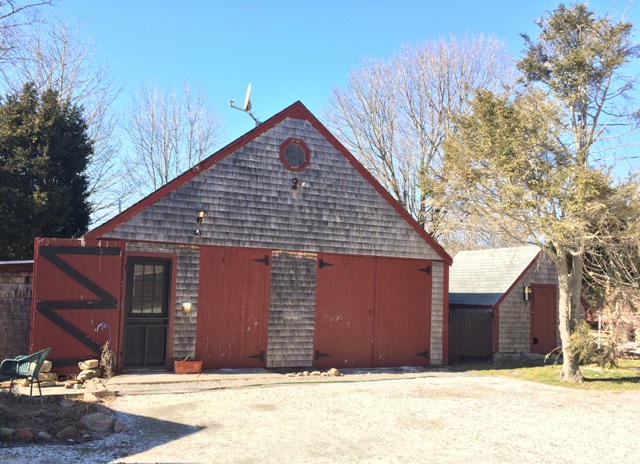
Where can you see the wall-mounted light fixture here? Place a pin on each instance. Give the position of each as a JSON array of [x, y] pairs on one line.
[[186, 306], [199, 219], [297, 184], [527, 293]]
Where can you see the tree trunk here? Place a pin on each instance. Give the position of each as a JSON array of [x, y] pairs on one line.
[[568, 285]]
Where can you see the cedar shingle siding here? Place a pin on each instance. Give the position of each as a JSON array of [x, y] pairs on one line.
[[249, 203], [246, 193]]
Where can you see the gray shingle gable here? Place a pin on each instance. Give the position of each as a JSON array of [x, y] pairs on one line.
[[481, 277], [249, 203]]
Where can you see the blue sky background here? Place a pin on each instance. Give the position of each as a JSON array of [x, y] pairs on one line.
[[287, 50]]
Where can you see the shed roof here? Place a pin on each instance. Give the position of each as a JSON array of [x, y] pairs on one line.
[[482, 277]]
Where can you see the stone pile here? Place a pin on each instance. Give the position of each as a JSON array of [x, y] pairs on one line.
[[333, 372], [89, 369], [97, 423], [45, 376]]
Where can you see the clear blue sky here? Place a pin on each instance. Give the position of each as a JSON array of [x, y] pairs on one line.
[[289, 50]]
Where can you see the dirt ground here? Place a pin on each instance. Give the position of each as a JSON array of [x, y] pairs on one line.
[[430, 417]]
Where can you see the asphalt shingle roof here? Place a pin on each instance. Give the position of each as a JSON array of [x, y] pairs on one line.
[[481, 277]]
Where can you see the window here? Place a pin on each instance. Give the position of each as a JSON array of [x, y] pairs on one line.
[[294, 154], [149, 289]]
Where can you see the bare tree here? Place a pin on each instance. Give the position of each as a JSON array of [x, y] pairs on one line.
[[15, 17], [168, 133], [393, 115], [53, 56]]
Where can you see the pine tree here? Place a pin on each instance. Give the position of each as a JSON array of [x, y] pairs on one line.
[[44, 152]]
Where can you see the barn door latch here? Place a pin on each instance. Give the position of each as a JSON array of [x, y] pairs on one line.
[[259, 356], [264, 260], [321, 355], [423, 354], [426, 269], [323, 263]]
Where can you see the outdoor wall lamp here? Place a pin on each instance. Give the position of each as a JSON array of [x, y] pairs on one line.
[[199, 219], [186, 306], [527, 293], [296, 184]]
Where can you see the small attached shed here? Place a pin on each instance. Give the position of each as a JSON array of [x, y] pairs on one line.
[[15, 307], [502, 301], [280, 250]]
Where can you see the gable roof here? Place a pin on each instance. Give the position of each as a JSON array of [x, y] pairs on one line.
[[297, 111], [482, 277]]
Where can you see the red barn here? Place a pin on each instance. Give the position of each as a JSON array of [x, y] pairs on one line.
[[280, 250]]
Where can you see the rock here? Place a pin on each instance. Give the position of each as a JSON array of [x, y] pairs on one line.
[[47, 383], [47, 376], [23, 382], [44, 436], [88, 364], [88, 374], [90, 398], [97, 422], [95, 385], [67, 404], [305, 373], [46, 367], [97, 407], [24, 434], [86, 435], [333, 372], [6, 433], [77, 386], [119, 427], [316, 373], [324, 374], [67, 433]]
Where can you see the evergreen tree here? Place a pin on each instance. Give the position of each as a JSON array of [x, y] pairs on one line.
[[44, 151]]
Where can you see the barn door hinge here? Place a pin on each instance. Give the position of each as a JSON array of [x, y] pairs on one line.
[[321, 355], [323, 263], [259, 356], [423, 354], [264, 260], [426, 269]]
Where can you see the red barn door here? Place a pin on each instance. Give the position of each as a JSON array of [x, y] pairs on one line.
[[372, 312], [233, 307], [403, 312], [76, 299], [543, 318], [345, 300]]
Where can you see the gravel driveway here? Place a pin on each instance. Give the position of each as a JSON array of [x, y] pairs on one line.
[[438, 417]]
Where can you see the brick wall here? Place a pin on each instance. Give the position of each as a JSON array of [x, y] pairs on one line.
[[15, 309]]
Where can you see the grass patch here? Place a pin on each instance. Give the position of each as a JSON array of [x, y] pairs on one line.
[[625, 377]]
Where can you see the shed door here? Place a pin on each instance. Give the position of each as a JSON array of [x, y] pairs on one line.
[[146, 312], [345, 300], [403, 312], [233, 307], [76, 294], [543, 318]]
